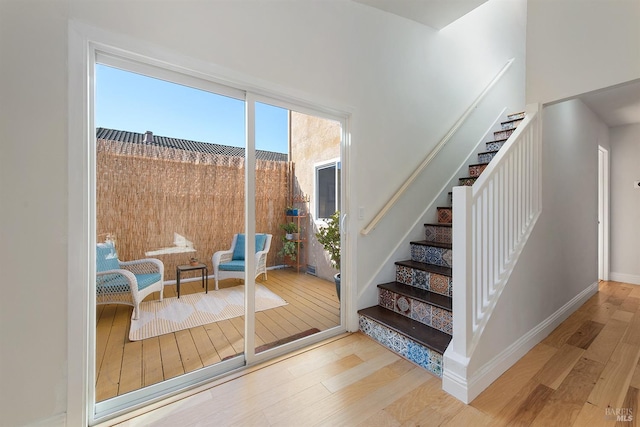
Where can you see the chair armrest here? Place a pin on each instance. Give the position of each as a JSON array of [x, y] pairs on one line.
[[131, 278], [221, 257], [144, 266], [261, 254], [261, 259]]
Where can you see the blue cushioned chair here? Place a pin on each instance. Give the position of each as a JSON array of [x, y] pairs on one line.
[[126, 282], [230, 264]]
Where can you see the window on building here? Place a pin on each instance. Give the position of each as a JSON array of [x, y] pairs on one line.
[[327, 189]]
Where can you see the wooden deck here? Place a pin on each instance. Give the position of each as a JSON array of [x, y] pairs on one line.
[[123, 366]]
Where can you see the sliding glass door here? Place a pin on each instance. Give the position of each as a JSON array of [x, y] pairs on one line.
[[208, 203]]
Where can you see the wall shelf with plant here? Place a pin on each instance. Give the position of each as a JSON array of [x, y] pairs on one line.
[[293, 240]]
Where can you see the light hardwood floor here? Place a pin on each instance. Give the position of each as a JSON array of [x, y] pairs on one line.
[[123, 365], [578, 376]]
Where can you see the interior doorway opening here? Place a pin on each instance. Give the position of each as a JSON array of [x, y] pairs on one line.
[[603, 213]]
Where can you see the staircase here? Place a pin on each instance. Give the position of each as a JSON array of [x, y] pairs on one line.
[[414, 313]]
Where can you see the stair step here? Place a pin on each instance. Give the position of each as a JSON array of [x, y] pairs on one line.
[[502, 134], [511, 124], [417, 294], [431, 252], [428, 308], [405, 346], [467, 181], [438, 232], [431, 243], [429, 268], [477, 169], [487, 156], [420, 333], [437, 224], [495, 145], [430, 277], [516, 116], [445, 214]]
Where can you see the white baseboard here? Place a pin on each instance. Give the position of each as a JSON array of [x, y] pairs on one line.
[[466, 387], [58, 420], [626, 278]]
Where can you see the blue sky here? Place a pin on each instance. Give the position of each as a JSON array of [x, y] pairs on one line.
[[135, 103]]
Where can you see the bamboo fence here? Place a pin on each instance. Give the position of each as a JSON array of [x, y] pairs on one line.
[[146, 193]]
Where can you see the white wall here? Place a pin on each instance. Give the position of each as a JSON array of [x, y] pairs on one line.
[[625, 203], [33, 212], [574, 47], [404, 84], [560, 259]]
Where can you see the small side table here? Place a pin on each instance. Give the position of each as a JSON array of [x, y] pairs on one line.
[[187, 267]]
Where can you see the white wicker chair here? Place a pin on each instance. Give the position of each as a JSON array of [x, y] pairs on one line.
[[126, 282], [230, 264]]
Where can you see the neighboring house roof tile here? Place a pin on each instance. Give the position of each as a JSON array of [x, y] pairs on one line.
[[183, 144]]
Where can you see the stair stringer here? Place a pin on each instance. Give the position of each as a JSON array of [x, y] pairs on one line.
[[474, 303]]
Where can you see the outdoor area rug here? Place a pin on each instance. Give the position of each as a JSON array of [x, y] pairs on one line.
[[173, 314]]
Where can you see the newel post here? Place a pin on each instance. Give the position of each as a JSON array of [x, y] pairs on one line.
[[463, 295]]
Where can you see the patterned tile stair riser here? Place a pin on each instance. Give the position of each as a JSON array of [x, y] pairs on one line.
[[445, 215], [503, 134], [476, 170], [468, 181], [435, 233], [495, 145], [421, 279], [422, 356], [486, 157], [431, 254], [511, 124], [425, 313]]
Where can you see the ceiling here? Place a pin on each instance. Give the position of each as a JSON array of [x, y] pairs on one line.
[[616, 106], [433, 13]]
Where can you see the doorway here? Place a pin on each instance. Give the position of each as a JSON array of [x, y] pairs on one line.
[[251, 337], [603, 213]]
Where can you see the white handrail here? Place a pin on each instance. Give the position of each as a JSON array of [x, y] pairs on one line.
[[392, 201], [493, 219]]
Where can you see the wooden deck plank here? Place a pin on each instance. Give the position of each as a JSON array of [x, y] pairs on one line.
[[262, 330], [289, 327], [108, 379], [189, 355], [206, 349], [131, 375], [170, 356], [233, 335], [219, 340], [151, 362], [103, 330]]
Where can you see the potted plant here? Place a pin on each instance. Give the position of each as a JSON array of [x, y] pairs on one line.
[[290, 228], [291, 211], [329, 238], [289, 249]]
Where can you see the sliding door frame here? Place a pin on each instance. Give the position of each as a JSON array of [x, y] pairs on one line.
[[86, 44]]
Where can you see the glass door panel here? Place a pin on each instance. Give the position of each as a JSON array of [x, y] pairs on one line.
[[169, 187], [293, 301]]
